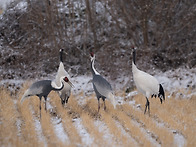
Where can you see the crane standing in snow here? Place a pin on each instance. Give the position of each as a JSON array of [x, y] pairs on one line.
[[66, 91], [146, 84], [43, 88], [101, 86]]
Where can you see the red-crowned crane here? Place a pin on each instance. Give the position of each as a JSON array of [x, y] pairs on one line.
[[146, 84], [66, 91], [101, 86], [43, 88]]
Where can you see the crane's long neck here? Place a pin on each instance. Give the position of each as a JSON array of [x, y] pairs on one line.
[[134, 67], [94, 72], [55, 87], [61, 56], [134, 56]]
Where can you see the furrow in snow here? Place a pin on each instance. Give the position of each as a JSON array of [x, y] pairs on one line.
[[86, 138]]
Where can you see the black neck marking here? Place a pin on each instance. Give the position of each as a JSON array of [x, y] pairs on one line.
[[134, 54], [61, 55]]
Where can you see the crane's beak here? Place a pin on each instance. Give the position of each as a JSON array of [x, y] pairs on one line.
[[70, 83], [63, 51]]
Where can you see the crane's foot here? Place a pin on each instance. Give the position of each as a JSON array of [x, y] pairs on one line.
[[63, 102], [45, 106], [147, 105], [98, 108], [104, 105]]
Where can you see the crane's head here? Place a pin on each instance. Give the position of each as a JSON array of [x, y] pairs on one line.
[[133, 48], [92, 56], [67, 81], [61, 50]]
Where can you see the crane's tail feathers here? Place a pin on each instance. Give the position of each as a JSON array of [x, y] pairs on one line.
[[111, 98], [25, 95], [161, 94]]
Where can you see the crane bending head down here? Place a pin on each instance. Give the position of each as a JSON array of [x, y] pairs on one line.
[[43, 88]]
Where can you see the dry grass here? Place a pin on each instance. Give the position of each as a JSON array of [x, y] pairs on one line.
[[174, 116]]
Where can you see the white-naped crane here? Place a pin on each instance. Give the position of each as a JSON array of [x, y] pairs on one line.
[[43, 88], [101, 86], [146, 84], [66, 91]]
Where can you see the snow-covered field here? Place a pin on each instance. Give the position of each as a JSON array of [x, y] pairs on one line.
[[78, 123], [121, 127]]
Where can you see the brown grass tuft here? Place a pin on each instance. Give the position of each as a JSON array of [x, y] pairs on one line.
[[174, 116]]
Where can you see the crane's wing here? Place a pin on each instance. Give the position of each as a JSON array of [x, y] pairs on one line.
[[146, 83], [36, 88], [102, 85]]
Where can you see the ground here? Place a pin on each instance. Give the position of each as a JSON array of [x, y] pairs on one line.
[[79, 124]]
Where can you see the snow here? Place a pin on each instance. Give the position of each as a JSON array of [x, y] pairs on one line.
[[179, 139], [22, 6], [124, 132], [58, 127], [133, 93], [174, 81], [59, 130], [82, 83], [86, 138], [147, 133], [39, 132], [4, 3], [38, 128], [108, 137], [18, 125]]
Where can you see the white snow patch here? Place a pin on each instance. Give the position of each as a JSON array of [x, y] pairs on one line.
[[82, 84], [22, 6], [18, 125], [108, 137], [175, 80], [38, 129], [4, 3], [123, 132], [86, 138], [147, 134], [133, 93], [59, 130], [12, 81], [58, 127], [119, 100], [179, 139]]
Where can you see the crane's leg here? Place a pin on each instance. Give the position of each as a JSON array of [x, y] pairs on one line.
[[104, 104], [67, 98], [147, 105], [62, 101], [40, 106], [98, 105], [45, 103]]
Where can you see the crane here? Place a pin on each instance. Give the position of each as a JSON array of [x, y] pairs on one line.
[[146, 83], [43, 88], [101, 86], [66, 91]]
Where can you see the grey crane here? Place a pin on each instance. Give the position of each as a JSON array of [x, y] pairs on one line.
[[101, 86], [66, 91], [146, 84], [42, 89]]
